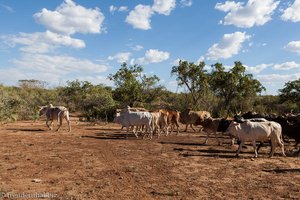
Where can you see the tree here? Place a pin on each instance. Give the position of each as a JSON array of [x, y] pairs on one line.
[[290, 94], [234, 87], [93, 101], [196, 79], [133, 86], [74, 93], [98, 104]]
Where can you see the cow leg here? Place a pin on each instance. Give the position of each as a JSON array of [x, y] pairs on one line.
[[207, 135], [69, 124], [177, 128], [68, 121], [135, 133], [59, 122], [168, 126], [281, 144], [273, 148], [255, 149], [239, 149], [157, 130], [191, 125], [146, 133], [261, 144], [127, 130], [49, 125], [232, 141], [219, 142], [149, 128], [186, 126]]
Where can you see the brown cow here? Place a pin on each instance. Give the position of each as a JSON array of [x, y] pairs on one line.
[[191, 118], [170, 118]]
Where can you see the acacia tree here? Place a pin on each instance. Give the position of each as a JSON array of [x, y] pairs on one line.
[[196, 79], [133, 86], [290, 94], [234, 87]]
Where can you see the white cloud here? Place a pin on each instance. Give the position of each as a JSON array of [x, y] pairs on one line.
[[42, 42], [287, 66], [113, 8], [139, 18], [228, 6], [230, 45], [275, 78], [57, 65], [137, 47], [257, 69], [7, 8], [153, 56], [19, 74], [120, 57], [95, 80], [292, 13], [186, 3], [273, 82], [164, 6], [255, 12], [70, 18], [293, 46], [123, 8]]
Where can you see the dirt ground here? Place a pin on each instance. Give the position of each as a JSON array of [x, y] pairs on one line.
[[95, 161]]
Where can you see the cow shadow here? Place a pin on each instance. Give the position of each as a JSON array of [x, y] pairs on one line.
[[26, 130], [100, 129], [111, 136], [217, 153], [184, 143], [283, 170]]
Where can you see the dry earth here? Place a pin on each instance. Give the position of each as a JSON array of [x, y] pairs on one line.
[[97, 162]]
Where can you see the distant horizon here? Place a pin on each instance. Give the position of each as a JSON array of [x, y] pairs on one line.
[[65, 40]]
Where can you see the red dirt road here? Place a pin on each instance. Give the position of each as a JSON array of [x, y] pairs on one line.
[[97, 162]]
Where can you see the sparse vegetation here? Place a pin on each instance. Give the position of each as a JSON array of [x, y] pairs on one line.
[[221, 92]]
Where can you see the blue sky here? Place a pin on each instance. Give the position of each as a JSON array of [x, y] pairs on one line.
[[60, 40]]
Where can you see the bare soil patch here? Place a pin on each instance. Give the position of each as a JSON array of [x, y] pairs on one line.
[[95, 161]]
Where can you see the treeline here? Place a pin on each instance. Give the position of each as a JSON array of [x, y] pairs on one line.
[[219, 91]]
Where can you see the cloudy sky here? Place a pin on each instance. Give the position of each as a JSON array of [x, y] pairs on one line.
[[60, 40]]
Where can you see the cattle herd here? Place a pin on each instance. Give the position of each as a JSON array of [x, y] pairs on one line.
[[248, 127]]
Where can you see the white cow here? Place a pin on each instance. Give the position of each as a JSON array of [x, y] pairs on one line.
[[257, 131], [155, 122], [55, 113], [129, 118]]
